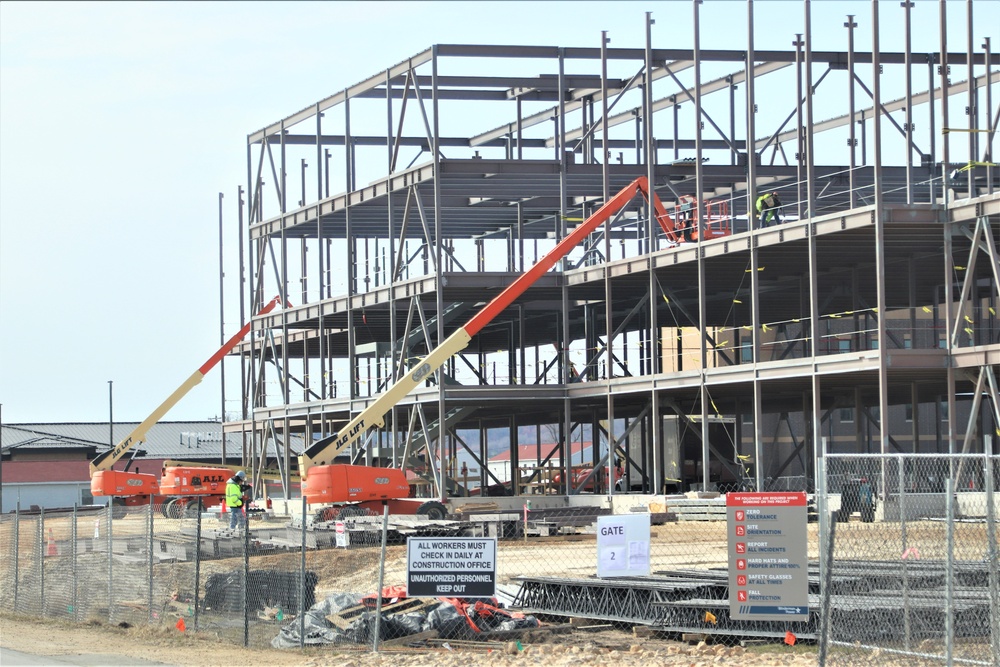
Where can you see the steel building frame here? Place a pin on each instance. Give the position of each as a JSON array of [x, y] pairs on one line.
[[701, 362]]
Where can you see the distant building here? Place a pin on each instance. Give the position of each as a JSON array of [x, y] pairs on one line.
[[533, 457], [539, 466], [48, 465]]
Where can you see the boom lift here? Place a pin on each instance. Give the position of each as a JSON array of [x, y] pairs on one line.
[[323, 481], [185, 481]]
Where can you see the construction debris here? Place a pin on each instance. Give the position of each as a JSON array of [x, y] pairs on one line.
[[347, 618]]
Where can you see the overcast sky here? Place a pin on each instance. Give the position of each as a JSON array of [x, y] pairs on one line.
[[120, 124]]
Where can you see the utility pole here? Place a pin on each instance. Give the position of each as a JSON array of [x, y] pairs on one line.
[[111, 415]]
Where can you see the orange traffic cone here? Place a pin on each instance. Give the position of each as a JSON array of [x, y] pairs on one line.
[[181, 625], [51, 549]]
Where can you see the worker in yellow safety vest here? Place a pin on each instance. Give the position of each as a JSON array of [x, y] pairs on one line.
[[769, 208], [234, 499]]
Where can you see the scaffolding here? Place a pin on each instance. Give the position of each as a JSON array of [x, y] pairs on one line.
[[733, 357]]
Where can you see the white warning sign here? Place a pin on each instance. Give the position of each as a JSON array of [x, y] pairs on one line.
[[451, 567]]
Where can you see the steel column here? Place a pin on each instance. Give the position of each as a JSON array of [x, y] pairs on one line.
[[799, 150], [439, 478], [990, 129], [700, 219], [907, 6], [751, 157], [972, 100], [852, 141]]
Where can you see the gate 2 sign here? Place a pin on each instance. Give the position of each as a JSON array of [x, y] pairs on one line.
[[623, 545], [768, 562], [454, 567]]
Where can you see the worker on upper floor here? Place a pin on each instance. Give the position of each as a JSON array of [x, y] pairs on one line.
[[769, 208]]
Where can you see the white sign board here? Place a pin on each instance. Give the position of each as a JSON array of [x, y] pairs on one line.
[[623, 545], [456, 567], [341, 534]]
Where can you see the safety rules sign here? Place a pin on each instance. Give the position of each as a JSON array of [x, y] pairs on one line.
[[768, 561], [451, 567]]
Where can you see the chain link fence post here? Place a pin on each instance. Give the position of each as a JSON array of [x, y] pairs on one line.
[[302, 579], [826, 594], [17, 552], [149, 552], [29, 573], [42, 551], [26, 572], [111, 588], [990, 472], [381, 578], [906, 564], [949, 569], [823, 521], [74, 536], [245, 579], [197, 566], [37, 552]]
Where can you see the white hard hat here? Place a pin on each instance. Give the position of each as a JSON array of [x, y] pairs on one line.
[[241, 474]]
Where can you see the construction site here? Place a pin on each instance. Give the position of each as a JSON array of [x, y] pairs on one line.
[[683, 340], [504, 293]]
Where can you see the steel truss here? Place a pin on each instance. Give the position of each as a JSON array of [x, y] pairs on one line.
[[828, 324]]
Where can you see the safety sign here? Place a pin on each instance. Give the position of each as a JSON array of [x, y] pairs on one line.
[[768, 561], [458, 567]]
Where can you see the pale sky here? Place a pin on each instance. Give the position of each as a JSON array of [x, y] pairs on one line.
[[121, 122]]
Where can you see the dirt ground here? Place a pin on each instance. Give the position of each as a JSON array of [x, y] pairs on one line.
[[61, 639]]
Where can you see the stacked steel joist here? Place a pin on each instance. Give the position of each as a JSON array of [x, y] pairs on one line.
[[903, 601]]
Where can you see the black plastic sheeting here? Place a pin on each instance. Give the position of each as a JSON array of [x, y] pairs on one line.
[[265, 588], [443, 617]]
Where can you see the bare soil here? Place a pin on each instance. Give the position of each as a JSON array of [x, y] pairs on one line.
[[60, 639]]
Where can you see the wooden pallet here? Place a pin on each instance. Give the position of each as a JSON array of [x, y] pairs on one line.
[[345, 617], [410, 639]]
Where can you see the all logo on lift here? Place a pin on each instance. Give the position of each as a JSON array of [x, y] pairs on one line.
[[207, 479], [134, 482]]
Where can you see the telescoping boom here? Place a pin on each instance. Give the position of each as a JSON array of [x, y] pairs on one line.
[[106, 481], [323, 452]]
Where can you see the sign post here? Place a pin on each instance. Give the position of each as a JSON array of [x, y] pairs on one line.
[[768, 561], [458, 567]]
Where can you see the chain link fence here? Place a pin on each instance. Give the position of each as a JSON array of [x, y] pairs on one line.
[[905, 565], [289, 583], [153, 564], [911, 571]]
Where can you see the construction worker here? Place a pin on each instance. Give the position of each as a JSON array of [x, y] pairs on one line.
[[769, 208], [686, 218], [234, 499]]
